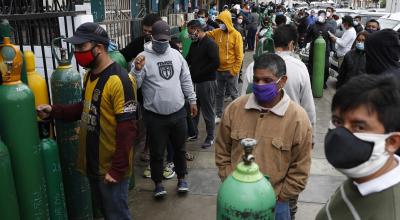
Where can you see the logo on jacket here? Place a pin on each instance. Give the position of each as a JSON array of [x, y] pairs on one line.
[[166, 69]]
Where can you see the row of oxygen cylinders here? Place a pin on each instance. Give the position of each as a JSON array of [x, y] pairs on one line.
[[39, 178]]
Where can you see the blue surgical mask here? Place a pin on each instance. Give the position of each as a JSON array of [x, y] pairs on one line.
[[370, 30], [279, 13], [159, 46], [202, 21], [360, 45], [222, 27]]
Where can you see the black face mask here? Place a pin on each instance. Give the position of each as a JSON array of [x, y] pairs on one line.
[[344, 150], [147, 38]]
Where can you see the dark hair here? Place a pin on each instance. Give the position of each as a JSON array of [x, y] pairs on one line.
[[374, 21], [203, 11], [272, 62], [363, 33], [321, 12], [150, 19], [330, 8], [348, 20], [194, 23], [284, 34], [280, 19], [358, 16], [379, 93], [254, 9]]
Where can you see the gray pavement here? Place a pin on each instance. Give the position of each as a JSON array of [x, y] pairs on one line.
[[200, 203]]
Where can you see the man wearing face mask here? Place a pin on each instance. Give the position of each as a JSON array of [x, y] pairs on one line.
[[203, 61], [164, 77], [280, 126], [230, 44], [330, 21], [108, 121], [361, 144], [320, 27], [344, 43], [204, 17], [372, 26], [357, 24], [137, 45]]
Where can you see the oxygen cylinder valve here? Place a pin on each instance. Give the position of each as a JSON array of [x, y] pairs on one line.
[[248, 145]]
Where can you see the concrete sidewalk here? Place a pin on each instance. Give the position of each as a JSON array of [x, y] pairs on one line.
[[200, 203]]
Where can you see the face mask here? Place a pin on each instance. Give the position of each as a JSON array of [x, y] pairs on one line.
[[355, 23], [202, 21], [370, 30], [360, 45], [147, 38], [222, 27], [356, 155], [194, 37], [239, 21], [265, 93], [159, 46], [328, 14], [321, 19], [279, 13], [85, 59]]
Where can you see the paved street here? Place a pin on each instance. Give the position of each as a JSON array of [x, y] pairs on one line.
[[200, 203]]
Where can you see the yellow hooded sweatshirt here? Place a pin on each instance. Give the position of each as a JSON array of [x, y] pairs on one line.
[[230, 45]]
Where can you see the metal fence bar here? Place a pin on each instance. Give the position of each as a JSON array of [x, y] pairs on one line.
[[46, 76]]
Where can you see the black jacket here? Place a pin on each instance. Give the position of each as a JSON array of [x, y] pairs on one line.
[[133, 48], [353, 65], [203, 60]]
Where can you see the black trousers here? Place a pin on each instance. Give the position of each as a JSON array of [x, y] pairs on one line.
[[161, 129]]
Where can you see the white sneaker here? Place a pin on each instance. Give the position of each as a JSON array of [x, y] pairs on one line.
[[217, 120]]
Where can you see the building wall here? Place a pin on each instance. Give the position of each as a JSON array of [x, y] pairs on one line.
[[392, 6]]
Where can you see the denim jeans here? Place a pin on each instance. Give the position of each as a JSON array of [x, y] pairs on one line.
[[111, 199], [282, 211]]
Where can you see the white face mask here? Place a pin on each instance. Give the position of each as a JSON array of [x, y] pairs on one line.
[[355, 23], [239, 21], [321, 19], [377, 160], [328, 14]]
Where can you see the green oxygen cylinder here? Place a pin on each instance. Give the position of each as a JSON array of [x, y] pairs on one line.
[[117, 57], [66, 88], [246, 194], [55, 188], [8, 196], [19, 131], [317, 82], [186, 41]]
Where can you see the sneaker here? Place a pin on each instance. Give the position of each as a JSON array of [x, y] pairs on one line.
[[207, 143], [147, 172], [159, 192], [183, 186], [217, 120], [169, 171], [192, 138]]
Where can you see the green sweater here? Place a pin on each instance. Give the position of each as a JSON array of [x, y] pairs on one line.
[[384, 205]]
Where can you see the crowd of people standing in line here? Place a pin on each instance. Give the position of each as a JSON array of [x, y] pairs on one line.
[[172, 90]]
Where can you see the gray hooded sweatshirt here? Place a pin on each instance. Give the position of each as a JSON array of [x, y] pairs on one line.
[[165, 81]]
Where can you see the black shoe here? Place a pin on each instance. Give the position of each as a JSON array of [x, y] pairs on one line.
[[159, 192], [207, 143]]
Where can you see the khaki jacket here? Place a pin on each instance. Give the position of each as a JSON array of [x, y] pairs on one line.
[[284, 141]]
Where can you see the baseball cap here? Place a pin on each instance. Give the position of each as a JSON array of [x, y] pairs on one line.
[[161, 31], [89, 32]]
